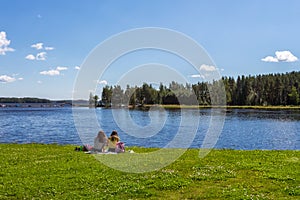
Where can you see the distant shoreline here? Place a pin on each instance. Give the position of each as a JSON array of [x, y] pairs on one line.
[[167, 106], [144, 107], [229, 107]]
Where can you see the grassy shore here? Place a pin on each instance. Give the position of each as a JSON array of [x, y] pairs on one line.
[[227, 107], [36, 171]]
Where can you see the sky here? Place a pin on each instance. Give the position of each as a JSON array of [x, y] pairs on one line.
[[44, 44]]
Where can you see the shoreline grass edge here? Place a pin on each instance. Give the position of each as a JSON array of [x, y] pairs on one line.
[[224, 107]]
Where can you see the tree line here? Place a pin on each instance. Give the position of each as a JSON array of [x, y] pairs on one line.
[[23, 100], [260, 90]]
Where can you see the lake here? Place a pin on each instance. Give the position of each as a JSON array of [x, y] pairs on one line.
[[242, 128]]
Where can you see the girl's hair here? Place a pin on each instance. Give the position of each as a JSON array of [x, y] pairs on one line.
[[114, 136], [102, 137], [114, 132]]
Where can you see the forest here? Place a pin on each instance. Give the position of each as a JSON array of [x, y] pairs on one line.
[[23, 100], [260, 90]]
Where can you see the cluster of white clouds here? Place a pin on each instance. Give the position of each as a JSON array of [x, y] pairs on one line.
[[40, 46], [4, 44], [281, 56], [54, 72], [51, 72], [41, 55], [206, 70], [8, 79], [37, 46]]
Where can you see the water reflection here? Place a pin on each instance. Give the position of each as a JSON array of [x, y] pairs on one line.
[[254, 114]]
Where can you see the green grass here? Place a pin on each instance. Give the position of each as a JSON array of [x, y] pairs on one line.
[[36, 171]]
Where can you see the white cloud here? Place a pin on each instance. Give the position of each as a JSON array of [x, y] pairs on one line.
[[269, 59], [52, 72], [30, 57], [103, 82], [206, 71], [285, 56], [39, 82], [281, 56], [49, 48], [40, 46], [37, 46], [41, 56], [6, 79], [77, 67], [208, 68], [4, 43], [61, 68], [21, 79], [197, 76], [3, 40], [3, 50]]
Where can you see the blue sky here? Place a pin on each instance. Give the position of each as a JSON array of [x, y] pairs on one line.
[[44, 43]]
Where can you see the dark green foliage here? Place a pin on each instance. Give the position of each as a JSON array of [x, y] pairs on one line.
[[261, 90], [23, 100]]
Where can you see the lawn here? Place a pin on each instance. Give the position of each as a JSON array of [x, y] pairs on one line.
[[37, 171]]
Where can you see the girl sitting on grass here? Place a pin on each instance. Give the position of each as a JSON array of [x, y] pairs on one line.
[[112, 141], [100, 142]]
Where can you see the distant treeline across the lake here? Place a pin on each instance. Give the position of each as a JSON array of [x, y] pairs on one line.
[[23, 100], [260, 90], [32, 100]]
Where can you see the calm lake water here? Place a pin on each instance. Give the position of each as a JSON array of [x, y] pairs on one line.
[[243, 129]]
